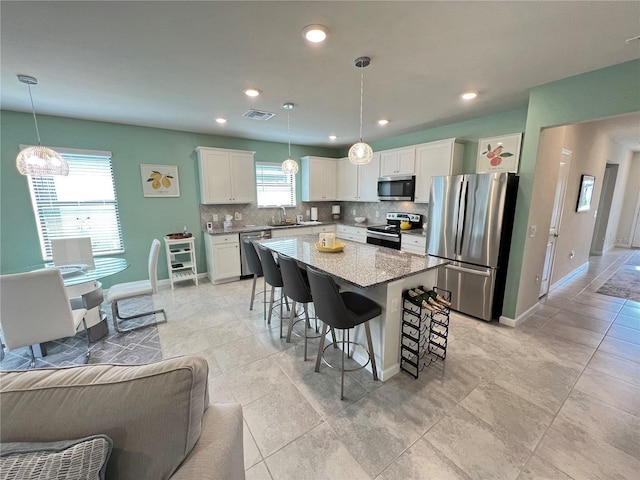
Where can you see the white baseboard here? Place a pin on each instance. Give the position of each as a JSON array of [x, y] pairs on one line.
[[514, 322]]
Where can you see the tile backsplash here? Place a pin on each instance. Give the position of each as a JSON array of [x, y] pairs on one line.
[[252, 215]]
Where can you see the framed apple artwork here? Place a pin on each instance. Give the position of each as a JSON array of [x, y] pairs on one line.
[[499, 154]]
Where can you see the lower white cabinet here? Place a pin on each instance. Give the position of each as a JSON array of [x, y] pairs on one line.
[[355, 234], [329, 228], [414, 244], [296, 231], [223, 257]]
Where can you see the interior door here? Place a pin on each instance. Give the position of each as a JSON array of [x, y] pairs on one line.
[[556, 220]]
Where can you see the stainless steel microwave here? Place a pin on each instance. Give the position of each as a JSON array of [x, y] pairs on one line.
[[397, 188]]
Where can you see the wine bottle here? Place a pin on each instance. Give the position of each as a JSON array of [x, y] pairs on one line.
[[417, 299], [437, 297], [426, 296]]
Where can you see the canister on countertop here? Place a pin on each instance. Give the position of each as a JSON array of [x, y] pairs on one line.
[[314, 214], [327, 240]]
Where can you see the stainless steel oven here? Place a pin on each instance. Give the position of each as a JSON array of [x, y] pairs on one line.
[[389, 239], [388, 235]]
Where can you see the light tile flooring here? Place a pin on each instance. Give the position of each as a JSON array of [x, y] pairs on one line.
[[557, 397]]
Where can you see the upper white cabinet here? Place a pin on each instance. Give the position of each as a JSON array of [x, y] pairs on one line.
[[398, 161], [226, 176], [443, 157], [358, 183], [319, 179]]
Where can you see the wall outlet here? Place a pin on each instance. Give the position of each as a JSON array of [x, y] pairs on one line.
[[308, 213], [238, 216], [394, 305], [215, 217], [353, 212], [377, 213], [532, 230], [537, 279]]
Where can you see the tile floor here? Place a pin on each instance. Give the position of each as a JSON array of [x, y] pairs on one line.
[[557, 397]]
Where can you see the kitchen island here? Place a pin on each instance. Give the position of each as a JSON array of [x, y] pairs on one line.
[[381, 274]]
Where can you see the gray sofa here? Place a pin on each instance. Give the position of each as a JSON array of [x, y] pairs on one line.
[[158, 417]]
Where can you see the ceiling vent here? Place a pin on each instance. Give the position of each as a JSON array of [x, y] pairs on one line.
[[259, 115]]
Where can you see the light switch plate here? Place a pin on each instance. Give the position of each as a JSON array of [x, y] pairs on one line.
[[532, 230]]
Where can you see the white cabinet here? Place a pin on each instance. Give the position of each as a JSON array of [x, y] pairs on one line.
[[443, 157], [349, 232], [328, 228], [398, 161], [358, 183], [319, 179], [226, 176], [223, 257], [181, 259], [412, 243], [291, 232]]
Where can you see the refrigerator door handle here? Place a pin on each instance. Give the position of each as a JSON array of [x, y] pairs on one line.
[[462, 213], [468, 270]]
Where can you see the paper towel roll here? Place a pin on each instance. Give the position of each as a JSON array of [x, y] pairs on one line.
[[314, 213]]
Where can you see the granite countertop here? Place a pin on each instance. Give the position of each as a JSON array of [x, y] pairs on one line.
[[257, 228], [416, 231], [360, 264]]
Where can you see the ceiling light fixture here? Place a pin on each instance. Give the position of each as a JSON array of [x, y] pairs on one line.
[[221, 120], [252, 92], [315, 33], [289, 166], [39, 161], [383, 122], [469, 95], [333, 137], [360, 153]]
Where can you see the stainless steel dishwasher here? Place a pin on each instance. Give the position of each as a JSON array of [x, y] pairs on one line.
[[257, 235]]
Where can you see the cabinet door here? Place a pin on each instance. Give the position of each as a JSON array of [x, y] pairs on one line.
[[347, 180], [243, 177], [214, 176], [313, 186], [388, 163], [368, 180], [226, 261], [330, 189], [432, 160], [406, 161]]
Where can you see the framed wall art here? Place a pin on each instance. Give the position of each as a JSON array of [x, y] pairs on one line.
[[585, 194], [499, 154], [160, 180]]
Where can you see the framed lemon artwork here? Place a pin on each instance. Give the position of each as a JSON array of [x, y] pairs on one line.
[[160, 180]]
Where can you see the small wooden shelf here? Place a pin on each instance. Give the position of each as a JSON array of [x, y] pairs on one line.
[[181, 259]]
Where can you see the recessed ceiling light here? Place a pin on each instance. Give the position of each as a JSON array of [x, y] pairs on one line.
[[252, 92], [383, 121], [315, 33], [221, 120], [469, 95], [333, 137]]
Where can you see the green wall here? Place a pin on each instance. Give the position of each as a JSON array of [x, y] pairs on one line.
[[142, 218]]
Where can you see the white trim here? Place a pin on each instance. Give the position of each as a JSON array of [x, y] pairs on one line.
[[514, 322], [75, 151]]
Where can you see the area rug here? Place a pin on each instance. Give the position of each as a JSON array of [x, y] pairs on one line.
[[139, 346], [624, 283]]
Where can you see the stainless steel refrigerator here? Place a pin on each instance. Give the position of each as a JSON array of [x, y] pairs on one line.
[[470, 223]]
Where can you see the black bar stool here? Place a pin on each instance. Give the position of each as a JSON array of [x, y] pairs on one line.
[[273, 277], [342, 311], [255, 266]]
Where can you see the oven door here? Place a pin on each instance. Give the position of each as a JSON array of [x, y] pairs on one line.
[[389, 240]]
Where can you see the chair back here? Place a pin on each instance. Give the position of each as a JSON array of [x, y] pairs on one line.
[[253, 260], [269, 267], [327, 301], [153, 264], [295, 285], [35, 308], [72, 251]]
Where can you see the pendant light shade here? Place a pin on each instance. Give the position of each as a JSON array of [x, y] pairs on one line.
[[360, 153], [39, 161], [289, 166]]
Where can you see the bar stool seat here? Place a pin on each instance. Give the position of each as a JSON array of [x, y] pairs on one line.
[[255, 266], [273, 277], [342, 311]]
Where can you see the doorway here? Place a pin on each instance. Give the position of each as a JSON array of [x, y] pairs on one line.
[[556, 220], [635, 236], [604, 209]]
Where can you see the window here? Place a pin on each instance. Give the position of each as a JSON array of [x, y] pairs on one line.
[[274, 187], [81, 204]]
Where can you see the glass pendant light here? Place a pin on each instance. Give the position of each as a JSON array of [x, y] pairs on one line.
[[39, 161], [360, 153], [289, 166]]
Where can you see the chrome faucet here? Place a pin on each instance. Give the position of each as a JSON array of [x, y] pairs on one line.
[[283, 216]]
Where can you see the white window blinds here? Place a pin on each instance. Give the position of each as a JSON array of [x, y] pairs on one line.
[[83, 203], [274, 187]]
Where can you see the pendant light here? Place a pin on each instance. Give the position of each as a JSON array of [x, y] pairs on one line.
[[39, 161], [360, 153], [289, 166]]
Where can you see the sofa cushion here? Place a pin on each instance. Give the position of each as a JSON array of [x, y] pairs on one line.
[[82, 459], [153, 413]]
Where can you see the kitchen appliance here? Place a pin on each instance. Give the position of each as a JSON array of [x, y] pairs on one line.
[[388, 235], [470, 224], [252, 236], [314, 214], [397, 188]]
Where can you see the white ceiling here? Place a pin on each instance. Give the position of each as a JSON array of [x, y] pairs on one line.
[[179, 64]]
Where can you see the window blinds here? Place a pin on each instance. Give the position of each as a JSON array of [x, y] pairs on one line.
[[274, 187], [83, 203]]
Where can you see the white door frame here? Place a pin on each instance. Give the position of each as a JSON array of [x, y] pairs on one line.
[[635, 227]]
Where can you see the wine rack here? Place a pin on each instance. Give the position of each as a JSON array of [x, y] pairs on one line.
[[424, 334]]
